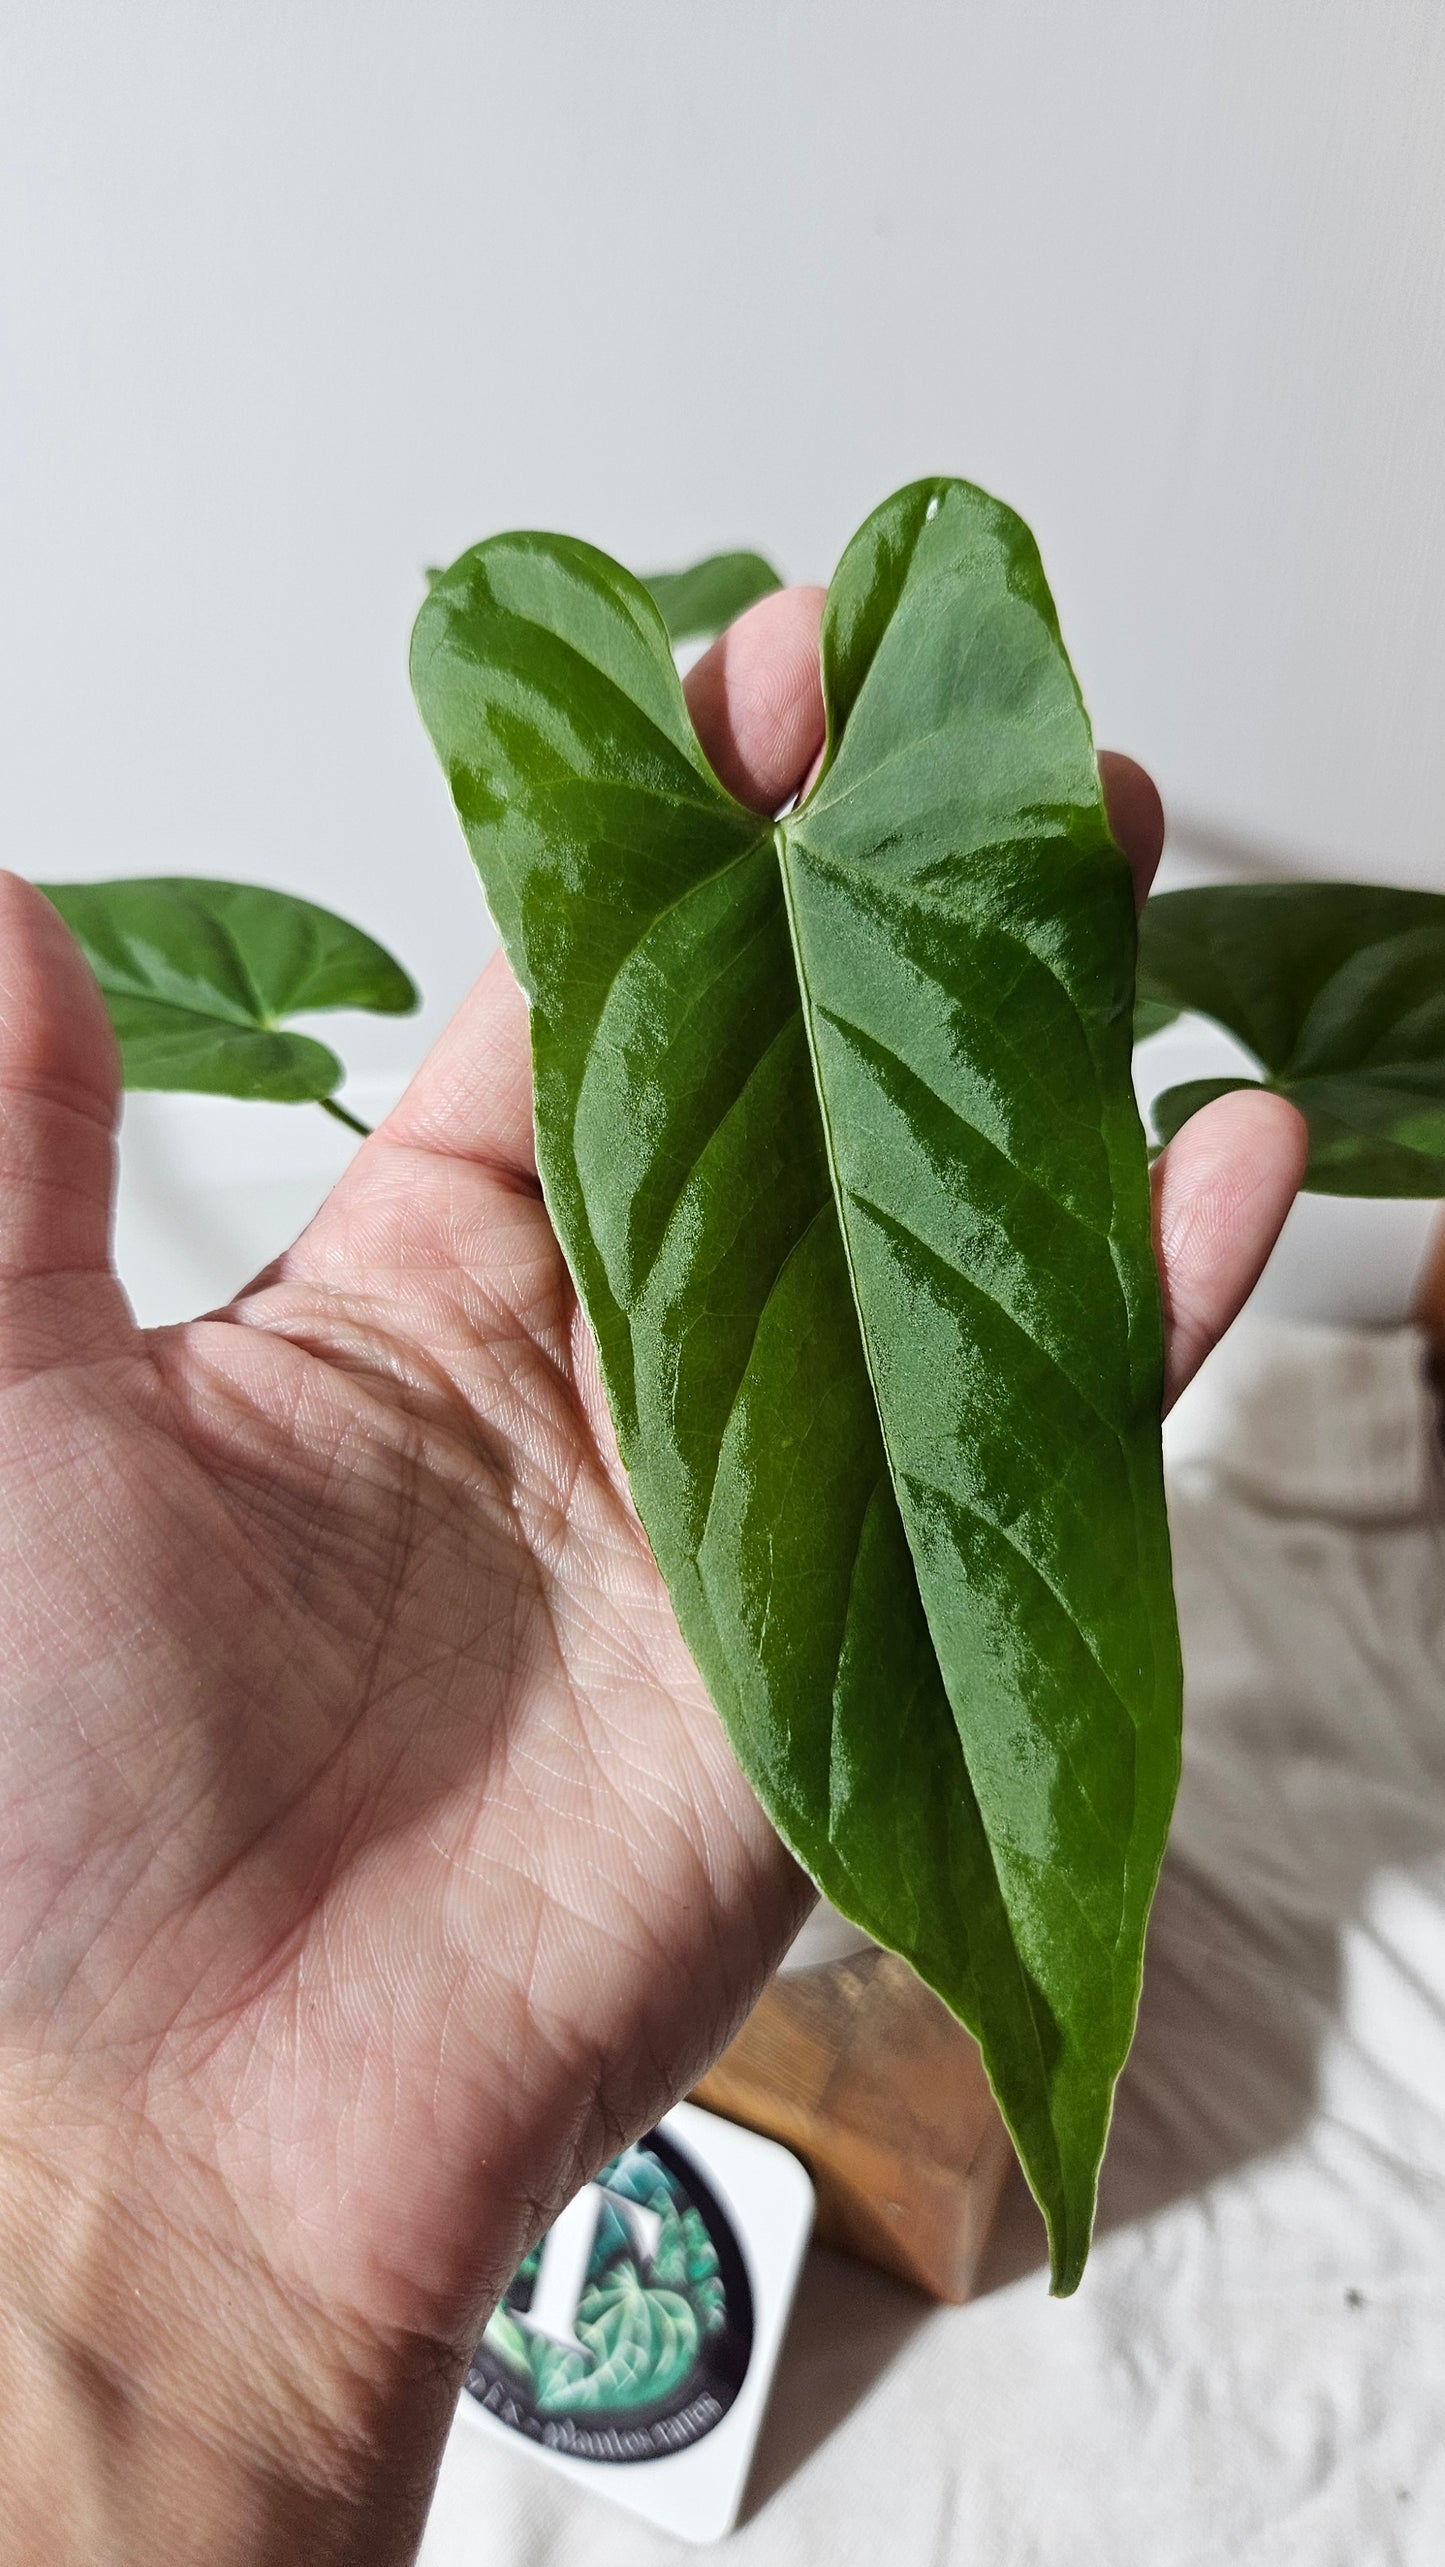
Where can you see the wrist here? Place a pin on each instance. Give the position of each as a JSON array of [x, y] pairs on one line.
[[165, 2395]]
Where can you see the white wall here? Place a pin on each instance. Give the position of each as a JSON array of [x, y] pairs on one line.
[[299, 297]]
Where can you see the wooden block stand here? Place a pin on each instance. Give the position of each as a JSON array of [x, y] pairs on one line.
[[865, 2075]]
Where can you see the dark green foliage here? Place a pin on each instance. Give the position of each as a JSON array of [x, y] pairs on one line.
[[1338, 989], [835, 1121], [697, 603]]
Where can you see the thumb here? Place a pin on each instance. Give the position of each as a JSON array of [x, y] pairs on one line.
[[59, 1088]]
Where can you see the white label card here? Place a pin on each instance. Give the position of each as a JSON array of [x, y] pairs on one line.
[[636, 2345]]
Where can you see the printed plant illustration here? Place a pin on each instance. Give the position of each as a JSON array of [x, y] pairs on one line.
[[641, 2327]]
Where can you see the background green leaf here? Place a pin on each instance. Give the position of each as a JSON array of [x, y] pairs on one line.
[[1338, 989], [1151, 1015], [836, 1123], [199, 975], [697, 603]]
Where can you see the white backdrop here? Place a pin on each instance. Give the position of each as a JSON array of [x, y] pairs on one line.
[[296, 298]]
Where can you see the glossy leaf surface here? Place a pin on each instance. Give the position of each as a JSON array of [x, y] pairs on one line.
[[199, 976], [835, 1120], [697, 603], [1338, 989]]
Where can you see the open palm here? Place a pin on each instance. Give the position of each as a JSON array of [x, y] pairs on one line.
[[371, 1860]]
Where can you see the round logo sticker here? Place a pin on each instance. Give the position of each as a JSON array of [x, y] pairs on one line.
[[627, 2333]]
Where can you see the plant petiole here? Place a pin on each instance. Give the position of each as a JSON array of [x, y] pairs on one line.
[[338, 1114]]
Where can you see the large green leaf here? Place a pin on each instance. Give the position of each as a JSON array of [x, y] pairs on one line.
[[199, 975], [835, 1121], [1338, 989], [698, 602]]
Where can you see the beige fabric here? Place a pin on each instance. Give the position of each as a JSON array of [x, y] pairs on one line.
[[1253, 2374]]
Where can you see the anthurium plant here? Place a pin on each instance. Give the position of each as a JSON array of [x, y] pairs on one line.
[[835, 1120], [836, 1124]]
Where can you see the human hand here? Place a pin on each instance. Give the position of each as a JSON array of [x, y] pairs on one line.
[[372, 1863]]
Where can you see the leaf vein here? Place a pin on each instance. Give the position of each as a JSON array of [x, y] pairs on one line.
[[889, 1222], [869, 1044], [980, 1515], [699, 1154], [794, 1249]]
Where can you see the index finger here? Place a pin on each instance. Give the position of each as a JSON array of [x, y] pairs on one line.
[[1136, 816]]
